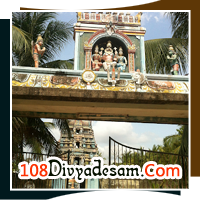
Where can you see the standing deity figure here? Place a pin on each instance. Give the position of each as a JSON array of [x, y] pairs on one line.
[[121, 63], [37, 52], [96, 60], [172, 58], [108, 58]]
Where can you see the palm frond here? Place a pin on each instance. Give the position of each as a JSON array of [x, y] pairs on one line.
[[180, 24], [59, 64], [50, 125], [34, 134], [63, 126], [20, 39], [54, 40], [55, 34], [184, 142]]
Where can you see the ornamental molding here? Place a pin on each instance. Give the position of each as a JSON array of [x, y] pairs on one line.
[[88, 76], [108, 31]]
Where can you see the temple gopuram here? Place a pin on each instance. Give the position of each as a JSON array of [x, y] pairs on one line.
[[82, 143], [82, 147]]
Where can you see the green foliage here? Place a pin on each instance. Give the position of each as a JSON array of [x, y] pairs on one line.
[[101, 155], [36, 135], [20, 39], [173, 151], [33, 133], [63, 126], [27, 26], [156, 51], [179, 22], [61, 64]]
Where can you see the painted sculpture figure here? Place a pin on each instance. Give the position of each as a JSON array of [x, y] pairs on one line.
[[108, 58], [121, 63], [37, 52], [96, 59], [110, 28], [172, 58], [138, 17], [139, 79]]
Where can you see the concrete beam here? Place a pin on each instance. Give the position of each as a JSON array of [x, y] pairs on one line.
[[100, 105]]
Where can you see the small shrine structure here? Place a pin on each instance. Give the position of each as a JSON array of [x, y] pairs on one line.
[[109, 80], [96, 29]]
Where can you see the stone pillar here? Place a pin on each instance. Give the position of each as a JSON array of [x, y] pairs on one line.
[[80, 144], [142, 52], [72, 181], [88, 54], [126, 17], [86, 183], [114, 17], [100, 16], [93, 183], [76, 50], [82, 161], [72, 160], [93, 16], [120, 17], [131, 60], [87, 15]]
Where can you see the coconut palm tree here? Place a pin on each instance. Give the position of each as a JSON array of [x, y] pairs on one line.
[[26, 26], [36, 135], [178, 143], [156, 50], [32, 133], [172, 143], [179, 22]]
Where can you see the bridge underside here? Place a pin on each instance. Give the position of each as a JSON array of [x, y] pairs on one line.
[[163, 108]]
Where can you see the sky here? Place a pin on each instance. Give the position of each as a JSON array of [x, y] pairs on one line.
[[131, 134]]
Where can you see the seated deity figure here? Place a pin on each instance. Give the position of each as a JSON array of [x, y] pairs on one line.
[[121, 63], [108, 58], [96, 60]]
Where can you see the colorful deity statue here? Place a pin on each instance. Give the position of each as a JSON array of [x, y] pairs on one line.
[[37, 52], [138, 17], [96, 59], [173, 61], [108, 58], [121, 62]]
